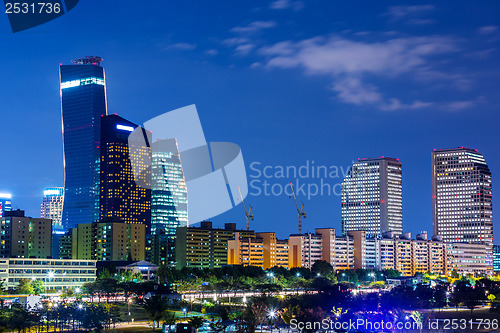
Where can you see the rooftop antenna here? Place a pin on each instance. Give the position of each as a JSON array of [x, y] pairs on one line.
[[88, 60]]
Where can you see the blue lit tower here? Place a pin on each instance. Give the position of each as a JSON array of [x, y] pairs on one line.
[[83, 102], [169, 200]]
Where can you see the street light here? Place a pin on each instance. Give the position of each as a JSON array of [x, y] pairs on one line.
[[77, 289], [184, 310], [272, 315]]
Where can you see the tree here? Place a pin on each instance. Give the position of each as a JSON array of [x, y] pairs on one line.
[[169, 319], [155, 308], [25, 287], [322, 268], [196, 322]]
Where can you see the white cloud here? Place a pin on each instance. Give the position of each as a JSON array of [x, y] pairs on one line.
[[488, 29], [402, 12], [459, 105], [244, 49], [351, 64], [212, 52], [254, 27], [286, 4], [181, 46]]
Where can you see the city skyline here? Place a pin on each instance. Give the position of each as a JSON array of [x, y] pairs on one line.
[[266, 103]]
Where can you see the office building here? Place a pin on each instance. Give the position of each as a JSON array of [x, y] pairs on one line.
[[168, 200], [25, 237], [5, 203], [462, 196], [496, 258], [372, 197], [83, 102], [56, 274], [52, 207], [121, 198], [108, 241], [205, 246]]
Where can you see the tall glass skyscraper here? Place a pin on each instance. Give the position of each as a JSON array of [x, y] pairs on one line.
[[121, 198], [461, 196], [168, 200], [372, 198], [52, 206], [5, 203], [83, 103]]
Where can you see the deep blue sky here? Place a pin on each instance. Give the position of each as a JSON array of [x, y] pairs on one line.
[[289, 81]]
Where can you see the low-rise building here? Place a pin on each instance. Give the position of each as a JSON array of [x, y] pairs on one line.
[[56, 274]]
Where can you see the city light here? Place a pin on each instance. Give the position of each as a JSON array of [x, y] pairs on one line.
[[125, 128], [82, 82], [52, 192]]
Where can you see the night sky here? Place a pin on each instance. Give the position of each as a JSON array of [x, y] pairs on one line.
[[291, 82]]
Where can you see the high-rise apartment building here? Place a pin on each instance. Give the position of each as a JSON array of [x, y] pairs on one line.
[[83, 103], [52, 206], [372, 197], [121, 198], [168, 200], [5, 203], [205, 246], [461, 196], [25, 237], [264, 250]]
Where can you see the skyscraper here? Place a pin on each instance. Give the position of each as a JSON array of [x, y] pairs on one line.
[[5, 203], [372, 197], [121, 198], [52, 206], [168, 200], [83, 102], [461, 196]]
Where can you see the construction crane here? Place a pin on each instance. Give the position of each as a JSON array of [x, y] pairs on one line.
[[300, 211], [247, 213]]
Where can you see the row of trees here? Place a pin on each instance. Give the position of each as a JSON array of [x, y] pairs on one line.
[[63, 317]]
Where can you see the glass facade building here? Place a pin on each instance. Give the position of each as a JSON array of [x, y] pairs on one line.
[[168, 200], [372, 198], [462, 196], [496, 258], [5, 203], [52, 206], [121, 198], [83, 102]]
